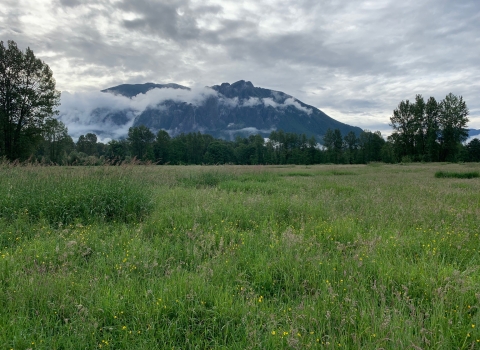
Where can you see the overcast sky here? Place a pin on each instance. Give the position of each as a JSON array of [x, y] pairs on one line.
[[353, 59]]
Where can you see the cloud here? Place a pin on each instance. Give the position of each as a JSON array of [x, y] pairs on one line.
[[247, 131], [195, 96], [295, 103], [112, 115], [84, 113], [270, 102], [71, 3], [329, 53], [230, 102], [251, 102], [169, 19]]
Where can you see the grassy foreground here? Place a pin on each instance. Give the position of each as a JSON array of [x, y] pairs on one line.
[[354, 257]]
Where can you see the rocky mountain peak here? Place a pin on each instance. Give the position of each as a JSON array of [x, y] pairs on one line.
[[241, 89]]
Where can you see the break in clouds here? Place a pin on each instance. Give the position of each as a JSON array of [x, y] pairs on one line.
[[90, 112]]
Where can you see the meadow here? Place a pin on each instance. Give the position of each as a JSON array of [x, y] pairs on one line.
[[240, 257]]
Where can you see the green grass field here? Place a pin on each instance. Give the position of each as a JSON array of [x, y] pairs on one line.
[[240, 257]]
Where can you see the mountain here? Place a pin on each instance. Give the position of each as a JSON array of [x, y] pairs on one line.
[[131, 90], [239, 108], [473, 132], [223, 111]]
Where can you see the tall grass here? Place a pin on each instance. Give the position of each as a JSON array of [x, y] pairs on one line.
[[252, 258], [68, 195]]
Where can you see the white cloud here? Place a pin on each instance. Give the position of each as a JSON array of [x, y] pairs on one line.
[[230, 102], [152, 98], [269, 102], [288, 102], [251, 102], [95, 111], [293, 102]]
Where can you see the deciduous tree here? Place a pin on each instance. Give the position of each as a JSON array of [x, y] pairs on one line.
[[57, 143], [453, 119], [27, 99], [141, 139], [87, 144], [405, 124]]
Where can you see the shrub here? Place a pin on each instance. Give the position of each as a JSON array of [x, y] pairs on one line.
[[466, 175]]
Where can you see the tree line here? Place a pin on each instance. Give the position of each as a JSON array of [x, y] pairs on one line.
[[422, 131], [142, 145]]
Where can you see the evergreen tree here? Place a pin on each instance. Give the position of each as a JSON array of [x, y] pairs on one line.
[[161, 147]]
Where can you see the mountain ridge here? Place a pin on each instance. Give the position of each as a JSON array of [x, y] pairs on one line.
[[131, 90], [232, 109]]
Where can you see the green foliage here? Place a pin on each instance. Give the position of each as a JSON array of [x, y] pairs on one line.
[[27, 100], [140, 140], [117, 151], [290, 148], [465, 175], [56, 145], [370, 147], [87, 144], [219, 152], [453, 119], [430, 131], [473, 150], [161, 147]]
